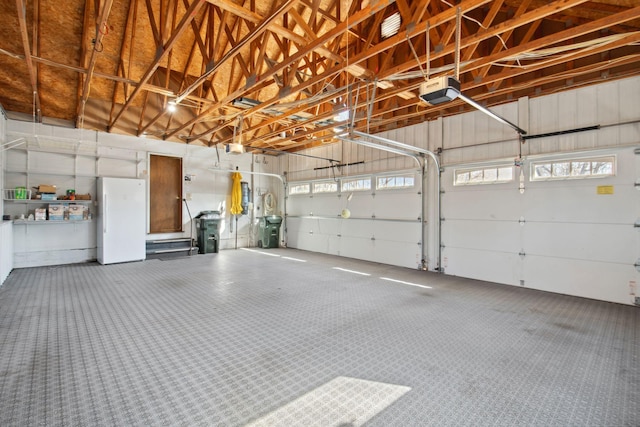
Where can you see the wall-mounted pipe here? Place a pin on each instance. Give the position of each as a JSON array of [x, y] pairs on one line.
[[406, 148], [275, 175], [282, 179], [420, 160], [383, 148], [438, 176], [402, 145]]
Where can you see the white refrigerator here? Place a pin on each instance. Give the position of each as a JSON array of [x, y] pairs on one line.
[[122, 212]]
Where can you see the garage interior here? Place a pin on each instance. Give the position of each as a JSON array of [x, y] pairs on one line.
[[329, 212]]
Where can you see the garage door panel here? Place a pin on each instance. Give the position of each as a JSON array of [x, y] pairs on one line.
[[327, 226], [496, 267], [293, 232], [500, 202], [589, 279], [354, 247], [298, 205], [361, 205], [325, 205], [318, 243], [334, 243], [397, 253], [358, 228], [300, 233], [591, 242], [579, 203], [397, 231], [486, 235], [402, 205]]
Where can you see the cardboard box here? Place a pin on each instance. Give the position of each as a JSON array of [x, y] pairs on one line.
[[76, 212], [83, 196], [41, 214], [56, 212], [46, 188]]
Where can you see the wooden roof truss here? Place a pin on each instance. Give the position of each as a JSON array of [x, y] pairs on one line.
[[281, 71]]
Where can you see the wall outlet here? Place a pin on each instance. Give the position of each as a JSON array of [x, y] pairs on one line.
[[521, 282], [637, 302]]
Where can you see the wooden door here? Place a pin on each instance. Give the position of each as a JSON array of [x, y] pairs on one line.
[[165, 194]]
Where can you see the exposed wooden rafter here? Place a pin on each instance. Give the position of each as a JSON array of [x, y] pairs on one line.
[[164, 51], [261, 28], [100, 25], [286, 67], [22, 19]]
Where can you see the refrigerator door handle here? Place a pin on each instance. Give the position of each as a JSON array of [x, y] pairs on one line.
[[104, 215]]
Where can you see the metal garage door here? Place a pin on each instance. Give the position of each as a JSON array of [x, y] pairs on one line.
[[571, 236]]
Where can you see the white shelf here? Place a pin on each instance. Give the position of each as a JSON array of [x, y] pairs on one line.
[[48, 222], [51, 173], [40, 202]]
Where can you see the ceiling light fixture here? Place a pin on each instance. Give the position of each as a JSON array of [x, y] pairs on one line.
[[342, 116], [384, 84], [391, 25], [171, 107], [406, 95], [245, 103]]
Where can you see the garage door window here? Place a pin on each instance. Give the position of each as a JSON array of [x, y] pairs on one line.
[[486, 175], [594, 167], [300, 188], [356, 184], [396, 181], [325, 187]]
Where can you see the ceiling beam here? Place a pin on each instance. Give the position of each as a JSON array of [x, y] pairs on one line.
[[633, 38], [482, 34], [514, 72], [180, 29], [261, 28], [544, 80], [280, 30], [22, 19], [320, 41], [100, 23], [495, 79], [559, 37]]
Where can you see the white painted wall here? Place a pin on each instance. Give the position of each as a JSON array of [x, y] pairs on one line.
[[6, 227], [574, 241], [6, 249], [72, 158]]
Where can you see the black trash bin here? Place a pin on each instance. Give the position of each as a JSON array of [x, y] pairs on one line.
[[208, 231]]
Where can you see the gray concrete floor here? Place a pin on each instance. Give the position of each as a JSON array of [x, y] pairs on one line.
[[281, 337]]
